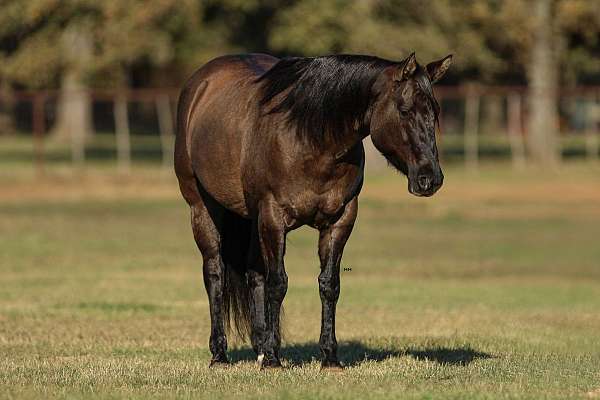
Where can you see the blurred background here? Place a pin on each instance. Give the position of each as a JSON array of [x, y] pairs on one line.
[[490, 287], [86, 80]]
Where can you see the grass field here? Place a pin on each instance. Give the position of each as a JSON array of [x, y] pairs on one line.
[[490, 289]]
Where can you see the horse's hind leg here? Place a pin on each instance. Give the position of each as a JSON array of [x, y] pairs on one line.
[[256, 285], [205, 224], [268, 284]]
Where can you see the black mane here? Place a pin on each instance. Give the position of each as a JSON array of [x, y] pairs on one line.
[[322, 95], [424, 84]]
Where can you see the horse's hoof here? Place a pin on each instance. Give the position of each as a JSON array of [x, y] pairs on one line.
[[219, 363], [268, 363], [332, 366]]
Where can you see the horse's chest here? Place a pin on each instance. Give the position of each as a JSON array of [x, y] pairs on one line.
[[329, 207], [321, 207]]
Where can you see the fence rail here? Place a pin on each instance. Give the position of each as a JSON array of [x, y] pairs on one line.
[[465, 109]]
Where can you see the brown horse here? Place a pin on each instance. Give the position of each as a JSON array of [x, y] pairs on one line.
[[265, 146]]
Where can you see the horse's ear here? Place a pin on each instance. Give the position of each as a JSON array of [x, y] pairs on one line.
[[437, 69], [407, 68]]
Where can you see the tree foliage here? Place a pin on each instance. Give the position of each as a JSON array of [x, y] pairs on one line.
[[492, 39], [36, 37]]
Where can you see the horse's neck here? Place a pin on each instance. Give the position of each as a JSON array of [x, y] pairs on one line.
[[348, 148], [344, 146]]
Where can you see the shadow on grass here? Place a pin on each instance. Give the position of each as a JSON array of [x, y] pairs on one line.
[[442, 355], [354, 353]]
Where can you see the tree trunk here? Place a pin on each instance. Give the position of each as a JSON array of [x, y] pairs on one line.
[[74, 119], [543, 76], [74, 109], [7, 105]]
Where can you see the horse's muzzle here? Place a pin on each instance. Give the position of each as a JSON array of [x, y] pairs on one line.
[[426, 181]]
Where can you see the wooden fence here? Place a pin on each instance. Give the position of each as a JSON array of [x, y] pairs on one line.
[[468, 116], [516, 115], [163, 99]]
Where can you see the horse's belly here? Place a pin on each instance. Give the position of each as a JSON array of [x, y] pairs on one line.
[[227, 191], [217, 166]]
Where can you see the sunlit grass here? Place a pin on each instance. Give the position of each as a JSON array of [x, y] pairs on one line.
[[489, 289]]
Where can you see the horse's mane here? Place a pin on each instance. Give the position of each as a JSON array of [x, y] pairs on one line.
[[322, 95]]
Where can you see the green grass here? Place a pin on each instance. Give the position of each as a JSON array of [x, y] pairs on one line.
[[490, 289]]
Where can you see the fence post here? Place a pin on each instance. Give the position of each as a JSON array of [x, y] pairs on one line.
[[78, 139], [439, 130], [39, 126], [122, 133], [592, 114], [471, 128], [165, 122], [515, 131]]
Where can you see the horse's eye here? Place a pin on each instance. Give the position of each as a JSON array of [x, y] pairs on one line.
[[404, 113]]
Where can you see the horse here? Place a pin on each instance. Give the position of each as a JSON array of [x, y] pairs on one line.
[[266, 145]]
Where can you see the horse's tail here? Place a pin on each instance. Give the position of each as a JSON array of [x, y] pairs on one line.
[[235, 242]]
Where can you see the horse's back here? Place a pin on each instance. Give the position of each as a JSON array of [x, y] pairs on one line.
[[214, 114]]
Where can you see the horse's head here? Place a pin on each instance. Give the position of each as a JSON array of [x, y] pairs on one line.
[[403, 122]]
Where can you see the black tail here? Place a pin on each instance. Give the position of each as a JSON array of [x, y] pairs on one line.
[[235, 242]]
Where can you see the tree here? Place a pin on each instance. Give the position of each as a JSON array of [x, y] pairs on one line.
[[75, 105], [555, 43], [542, 43], [391, 29], [77, 44], [543, 81]]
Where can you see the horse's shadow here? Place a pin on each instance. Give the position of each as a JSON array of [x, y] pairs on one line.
[[354, 353]]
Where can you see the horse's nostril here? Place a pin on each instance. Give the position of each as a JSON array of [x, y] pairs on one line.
[[424, 182]]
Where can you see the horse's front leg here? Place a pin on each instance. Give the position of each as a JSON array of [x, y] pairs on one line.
[[208, 240], [271, 233], [331, 246]]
